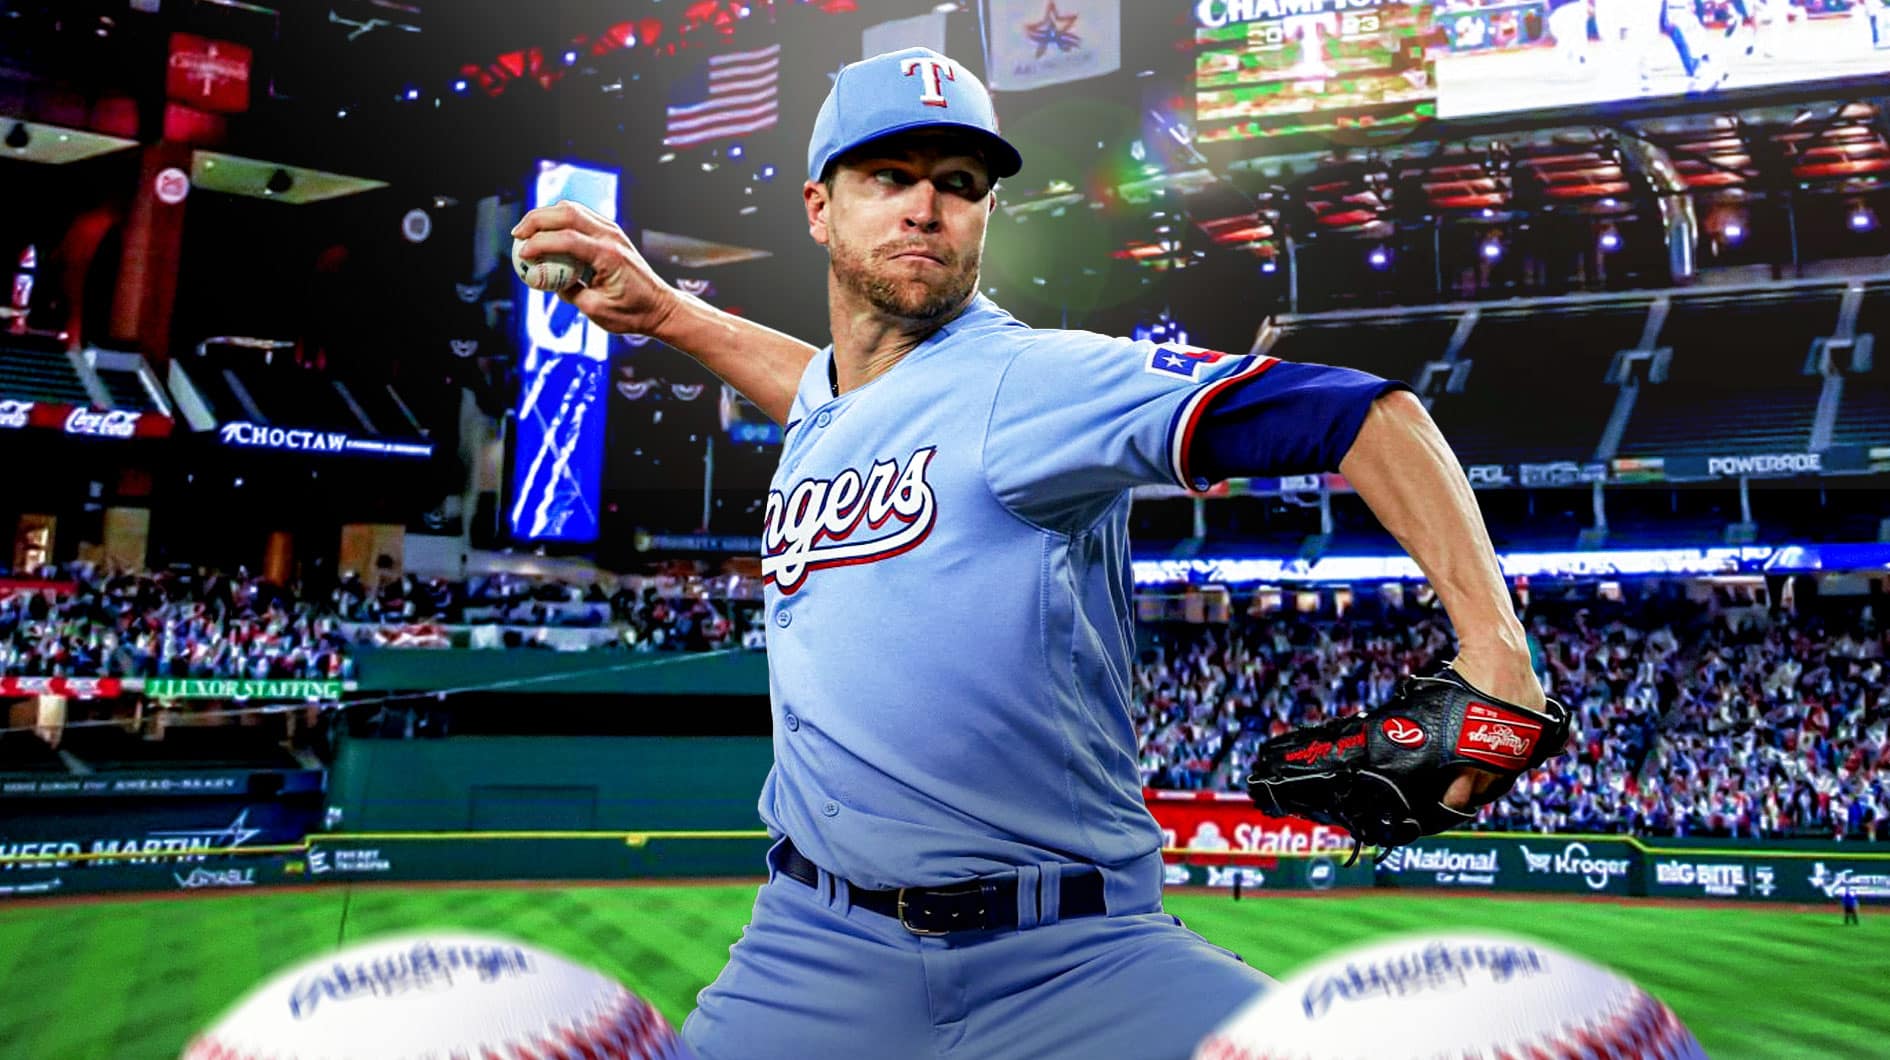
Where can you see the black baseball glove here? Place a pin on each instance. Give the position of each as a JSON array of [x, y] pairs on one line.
[[1382, 775]]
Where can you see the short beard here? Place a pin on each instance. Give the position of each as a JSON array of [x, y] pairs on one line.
[[907, 299]]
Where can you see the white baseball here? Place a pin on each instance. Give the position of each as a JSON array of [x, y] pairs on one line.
[[548, 272], [1458, 995], [438, 995]]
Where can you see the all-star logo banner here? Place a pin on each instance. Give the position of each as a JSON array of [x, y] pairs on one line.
[[1048, 42]]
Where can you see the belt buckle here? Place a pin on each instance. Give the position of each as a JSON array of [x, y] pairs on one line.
[[907, 924], [967, 889]]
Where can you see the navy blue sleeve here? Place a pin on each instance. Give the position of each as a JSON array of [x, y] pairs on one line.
[[1293, 419]]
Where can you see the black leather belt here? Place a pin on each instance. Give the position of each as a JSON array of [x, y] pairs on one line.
[[975, 905]]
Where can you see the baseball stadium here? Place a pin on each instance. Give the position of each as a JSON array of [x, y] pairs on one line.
[[986, 529]]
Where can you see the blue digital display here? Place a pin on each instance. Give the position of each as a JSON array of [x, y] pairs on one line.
[[558, 445]]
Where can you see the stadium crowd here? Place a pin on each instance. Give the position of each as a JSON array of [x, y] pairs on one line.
[[82, 621], [1689, 719]]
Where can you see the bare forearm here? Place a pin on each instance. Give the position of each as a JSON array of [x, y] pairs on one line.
[[1404, 470], [765, 365]]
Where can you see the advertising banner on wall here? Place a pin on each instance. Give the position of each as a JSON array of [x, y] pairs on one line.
[[1205, 822], [1763, 872], [82, 422], [1318, 873], [70, 687], [149, 784], [242, 434], [238, 688], [226, 873], [1585, 865], [179, 837]]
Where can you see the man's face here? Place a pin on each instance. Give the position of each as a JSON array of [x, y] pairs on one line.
[[904, 222]]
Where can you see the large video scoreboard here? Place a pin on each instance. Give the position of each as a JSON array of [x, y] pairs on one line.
[[1271, 68]]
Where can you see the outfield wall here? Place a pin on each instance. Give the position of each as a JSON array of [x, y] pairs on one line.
[[589, 783], [1559, 865], [602, 808]]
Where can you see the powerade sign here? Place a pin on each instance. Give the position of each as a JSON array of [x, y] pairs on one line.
[[245, 435], [558, 436]]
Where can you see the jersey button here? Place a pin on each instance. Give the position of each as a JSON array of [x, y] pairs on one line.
[[793, 723], [783, 618], [823, 419], [830, 808]]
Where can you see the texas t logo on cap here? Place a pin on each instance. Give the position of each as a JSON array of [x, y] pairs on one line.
[[876, 97], [934, 70]]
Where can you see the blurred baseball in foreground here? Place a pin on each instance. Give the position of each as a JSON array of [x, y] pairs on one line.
[[1457, 996], [439, 995], [548, 272]]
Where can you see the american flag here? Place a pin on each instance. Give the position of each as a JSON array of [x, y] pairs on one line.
[[729, 95]]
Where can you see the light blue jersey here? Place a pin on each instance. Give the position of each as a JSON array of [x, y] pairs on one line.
[[947, 560]]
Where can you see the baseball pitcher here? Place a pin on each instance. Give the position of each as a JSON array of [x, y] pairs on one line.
[[963, 863]]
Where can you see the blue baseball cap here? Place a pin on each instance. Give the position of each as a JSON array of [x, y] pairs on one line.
[[916, 88]]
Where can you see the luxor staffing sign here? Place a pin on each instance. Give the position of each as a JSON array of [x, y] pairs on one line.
[[558, 437]]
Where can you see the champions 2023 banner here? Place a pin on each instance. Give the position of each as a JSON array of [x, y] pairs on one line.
[[558, 433], [1267, 68]]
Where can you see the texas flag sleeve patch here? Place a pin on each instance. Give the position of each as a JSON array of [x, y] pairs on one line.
[[1180, 360]]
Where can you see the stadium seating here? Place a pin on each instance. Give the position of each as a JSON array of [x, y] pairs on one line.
[[109, 749], [25, 752], [1737, 381], [239, 385], [1554, 366], [1391, 345], [1864, 413], [40, 371]]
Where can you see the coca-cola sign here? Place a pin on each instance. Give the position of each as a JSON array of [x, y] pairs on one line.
[[112, 423], [81, 421]]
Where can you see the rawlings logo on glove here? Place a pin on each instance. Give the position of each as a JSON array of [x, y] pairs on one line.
[[1382, 775]]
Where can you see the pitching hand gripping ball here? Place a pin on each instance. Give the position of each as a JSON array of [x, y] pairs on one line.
[[549, 272], [1468, 996], [439, 995]]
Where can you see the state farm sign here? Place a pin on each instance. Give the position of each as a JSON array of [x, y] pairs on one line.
[[1205, 824]]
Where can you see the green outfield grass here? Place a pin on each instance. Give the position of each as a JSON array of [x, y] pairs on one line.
[[123, 980]]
